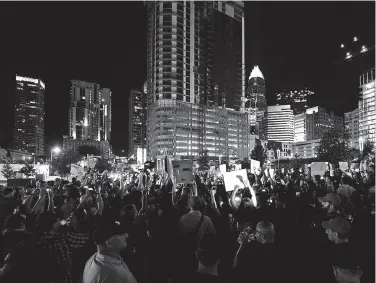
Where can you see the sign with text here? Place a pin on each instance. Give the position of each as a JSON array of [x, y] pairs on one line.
[[183, 171], [222, 168], [255, 165], [318, 168], [343, 165], [76, 171], [235, 178]]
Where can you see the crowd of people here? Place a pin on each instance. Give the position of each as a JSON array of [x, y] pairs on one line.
[[144, 227]]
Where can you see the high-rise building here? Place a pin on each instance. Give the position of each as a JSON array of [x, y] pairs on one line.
[[314, 122], [105, 114], [367, 104], [196, 55], [29, 115], [297, 99], [256, 100], [137, 112], [90, 112], [278, 124], [352, 127], [176, 128]]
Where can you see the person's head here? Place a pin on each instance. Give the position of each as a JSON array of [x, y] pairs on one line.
[[337, 229], [346, 179], [330, 203], [196, 203], [208, 253], [72, 193], [48, 221], [265, 232], [14, 222], [110, 237], [129, 211]]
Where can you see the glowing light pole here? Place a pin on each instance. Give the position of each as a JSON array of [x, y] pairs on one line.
[[56, 150], [278, 152]]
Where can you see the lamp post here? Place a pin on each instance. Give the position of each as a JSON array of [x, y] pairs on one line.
[[56, 150], [34, 158], [278, 152]]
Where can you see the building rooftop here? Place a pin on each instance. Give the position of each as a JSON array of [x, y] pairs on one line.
[[256, 73]]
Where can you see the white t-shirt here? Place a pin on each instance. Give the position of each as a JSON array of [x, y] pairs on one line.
[[105, 269]]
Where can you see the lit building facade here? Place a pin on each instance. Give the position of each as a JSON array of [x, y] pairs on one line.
[[90, 112], [72, 145], [137, 120], [256, 101], [297, 99], [305, 149], [367, 111], [285, 150], [352, 127], [278, 124], [314, 122], [176, 127], [29, 115], [196, 55]]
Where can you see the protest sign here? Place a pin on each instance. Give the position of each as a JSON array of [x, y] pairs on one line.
[[222, 168], [255, 165], [354, 166], [212, 169], [76, 171], [235, 178], [343, 165], [183, 171], [238, 167], [331, 168], [318, 168]]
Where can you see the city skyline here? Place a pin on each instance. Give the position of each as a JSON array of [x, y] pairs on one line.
[[281, 51]]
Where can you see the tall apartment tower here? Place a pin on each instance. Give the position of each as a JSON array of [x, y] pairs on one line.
[[278, 124], [297, 99], [137, 115], [367, 107], [256, 100], [90, 112], [352, 127], [196, 55], [29, 115]]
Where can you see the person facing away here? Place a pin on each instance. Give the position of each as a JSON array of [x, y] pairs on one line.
[[208, 260], [106, 265]]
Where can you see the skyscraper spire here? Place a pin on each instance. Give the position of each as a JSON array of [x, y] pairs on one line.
[[256, 73]]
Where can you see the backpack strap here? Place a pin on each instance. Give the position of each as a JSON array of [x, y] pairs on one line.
[[200, 223]]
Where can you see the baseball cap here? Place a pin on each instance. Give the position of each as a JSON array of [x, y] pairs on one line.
[[332, 198], [107, 229], [339, 225]]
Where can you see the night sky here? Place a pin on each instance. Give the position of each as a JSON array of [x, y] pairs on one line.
[[295, 44]]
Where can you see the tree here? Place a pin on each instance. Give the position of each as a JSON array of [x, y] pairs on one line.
[[61, 164], [3, 155], [203, 160], [28, 170], [259, 153], [91, 150], [102, 165], [334, 147], [368, 148], [8, 171]]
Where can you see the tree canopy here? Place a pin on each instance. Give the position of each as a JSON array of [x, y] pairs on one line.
[[334, 147]]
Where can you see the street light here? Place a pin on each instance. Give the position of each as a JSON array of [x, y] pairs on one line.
[[278, 152], [56, 150], [33, 157]]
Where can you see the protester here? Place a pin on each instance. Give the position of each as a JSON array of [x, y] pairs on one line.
[[126, 226], [106, 265]]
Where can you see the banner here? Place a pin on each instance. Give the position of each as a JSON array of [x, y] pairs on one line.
[[344, 166], [318, 168], [183, 171], [235, 178]]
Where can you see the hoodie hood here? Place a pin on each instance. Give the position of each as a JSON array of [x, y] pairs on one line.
[[347, 275]]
